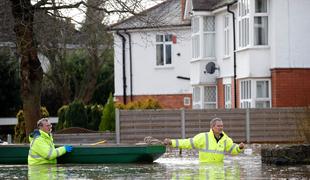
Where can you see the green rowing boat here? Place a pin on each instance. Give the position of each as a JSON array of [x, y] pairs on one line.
[[89, 154]]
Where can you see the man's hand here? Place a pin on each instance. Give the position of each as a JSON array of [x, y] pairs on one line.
[[241, 145], [167, 142], [68, 148]]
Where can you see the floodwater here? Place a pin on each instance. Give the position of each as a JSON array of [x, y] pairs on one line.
[[170, 166]]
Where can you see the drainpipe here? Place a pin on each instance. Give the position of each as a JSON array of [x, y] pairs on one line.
[[124, 66], [235, 66], [130, 63]]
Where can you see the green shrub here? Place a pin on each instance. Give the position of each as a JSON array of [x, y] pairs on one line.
[[148, 103], [76, 115], [20, 128], [108, 117], [61, 117], [94, 114]]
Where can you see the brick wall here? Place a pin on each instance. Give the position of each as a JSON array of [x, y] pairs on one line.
[[171, 101], [220, 93], [290, 87]]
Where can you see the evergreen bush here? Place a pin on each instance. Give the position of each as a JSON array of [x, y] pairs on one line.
[[76, 115], [61, 117], [94, 114], [108, 117]]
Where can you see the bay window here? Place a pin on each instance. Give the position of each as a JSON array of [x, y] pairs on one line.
[[255, 93], [208, 36], [195, 38]]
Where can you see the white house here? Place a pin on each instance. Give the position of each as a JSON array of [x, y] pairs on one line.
[[152, 53], [242, 54]]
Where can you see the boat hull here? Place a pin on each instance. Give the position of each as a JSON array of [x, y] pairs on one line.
[[88, 154]]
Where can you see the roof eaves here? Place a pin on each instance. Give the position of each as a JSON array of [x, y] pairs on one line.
[[139, 14]]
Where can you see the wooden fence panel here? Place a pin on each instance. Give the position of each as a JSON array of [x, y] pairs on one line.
[[265, 125]]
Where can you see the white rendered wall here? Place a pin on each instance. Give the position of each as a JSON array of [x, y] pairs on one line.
[[149, 79], [290, 35], [226, 64]]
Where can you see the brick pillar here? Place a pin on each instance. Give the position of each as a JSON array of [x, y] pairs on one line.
[[220, 93]]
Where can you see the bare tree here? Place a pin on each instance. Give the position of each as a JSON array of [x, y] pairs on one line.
[[31, 70]]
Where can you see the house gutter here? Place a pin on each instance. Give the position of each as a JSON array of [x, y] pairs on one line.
[[234, 39], [130, 63], [124, 66]]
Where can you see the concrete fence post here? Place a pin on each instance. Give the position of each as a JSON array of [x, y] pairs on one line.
[[117, 126], [247, 126], [183, 123]]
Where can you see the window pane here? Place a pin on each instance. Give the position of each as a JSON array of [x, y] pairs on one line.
[[210, 106], [159, 38], [195, 27], [208, 23], [159, 54], [196, 94], [262, 89], [168, 37], [210, 94], [262, 104], [261, 30], [195, 46], [260, 6], [209, 45], [168, 54]]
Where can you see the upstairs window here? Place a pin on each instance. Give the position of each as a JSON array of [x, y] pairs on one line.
[[261, 22], [195, 38], [163, 50], [226, 35], [209, 36], [243, 23]]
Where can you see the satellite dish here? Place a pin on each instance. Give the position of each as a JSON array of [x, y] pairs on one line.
[[210, 68]]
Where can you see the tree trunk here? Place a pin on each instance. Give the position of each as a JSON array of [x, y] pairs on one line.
[[31, 71]]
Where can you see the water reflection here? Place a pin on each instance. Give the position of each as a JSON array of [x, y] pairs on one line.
[[167, 167], [49, 171]]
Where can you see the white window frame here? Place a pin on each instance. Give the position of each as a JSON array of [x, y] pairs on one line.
[[263, 15], [206, 103], [248, 93], [208, 52], [195, 37], [165, 44], [262, 99], [227, 96], [196, 100], [226, 36], [243, 23]]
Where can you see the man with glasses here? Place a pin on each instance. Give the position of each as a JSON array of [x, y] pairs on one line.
[[42, 148]]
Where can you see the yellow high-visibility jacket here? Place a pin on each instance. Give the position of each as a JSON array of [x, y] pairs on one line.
[[209, 149], [42, 150]]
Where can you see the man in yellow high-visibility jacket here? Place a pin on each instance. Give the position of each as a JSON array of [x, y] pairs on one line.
[[42, 149], [211, 145]]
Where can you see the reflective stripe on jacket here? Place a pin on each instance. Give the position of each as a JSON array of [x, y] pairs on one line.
[[209, 149], [42, 150]]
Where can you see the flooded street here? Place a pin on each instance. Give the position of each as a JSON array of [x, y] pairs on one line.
[[169, 166]]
